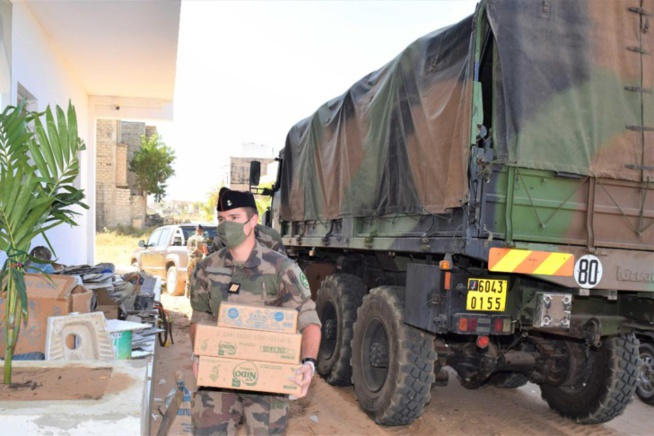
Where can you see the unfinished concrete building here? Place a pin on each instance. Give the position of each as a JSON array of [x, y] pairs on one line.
[[118, 201]]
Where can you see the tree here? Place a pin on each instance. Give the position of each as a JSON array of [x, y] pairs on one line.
[[152, 165], [37, 173], [208, 207]]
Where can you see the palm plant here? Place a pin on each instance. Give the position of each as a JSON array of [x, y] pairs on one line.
[[38, 168]]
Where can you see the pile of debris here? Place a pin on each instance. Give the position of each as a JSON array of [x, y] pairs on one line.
[[130, 292]]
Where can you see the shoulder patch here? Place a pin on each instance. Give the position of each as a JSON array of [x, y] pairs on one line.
[[304, 281]]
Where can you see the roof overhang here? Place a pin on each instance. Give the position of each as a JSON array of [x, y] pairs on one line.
[[116, 49]]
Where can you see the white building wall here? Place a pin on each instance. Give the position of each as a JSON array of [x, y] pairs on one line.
[[37, 65]]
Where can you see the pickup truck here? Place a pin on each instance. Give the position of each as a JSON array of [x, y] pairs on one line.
[[165, 254]]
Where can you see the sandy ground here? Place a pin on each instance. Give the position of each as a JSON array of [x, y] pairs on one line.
[[453, 410]]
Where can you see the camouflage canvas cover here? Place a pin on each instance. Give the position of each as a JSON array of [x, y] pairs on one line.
[[572, 92], [573, 86], [396, 142]]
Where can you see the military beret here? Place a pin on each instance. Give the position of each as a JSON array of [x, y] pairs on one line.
[[228, 199], [199, 227]]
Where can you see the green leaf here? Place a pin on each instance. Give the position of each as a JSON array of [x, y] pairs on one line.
[[44, 145], [53, 136], [63, 133], [19, 282]]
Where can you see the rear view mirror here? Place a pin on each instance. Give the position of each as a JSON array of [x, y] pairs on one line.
[[141, 243], [255, 172]]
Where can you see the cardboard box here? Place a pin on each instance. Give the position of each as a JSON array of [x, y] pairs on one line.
[[247, 344], [247, 375], [267, 318], [61, 296], [102, 297], [105, 304], [110, 310]]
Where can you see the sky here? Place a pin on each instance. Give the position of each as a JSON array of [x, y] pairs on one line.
[[247, 71]]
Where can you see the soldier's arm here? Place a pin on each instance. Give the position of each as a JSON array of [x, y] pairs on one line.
[[200, 299]]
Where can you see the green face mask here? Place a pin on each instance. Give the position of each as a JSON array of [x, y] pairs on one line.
[[231, 233]]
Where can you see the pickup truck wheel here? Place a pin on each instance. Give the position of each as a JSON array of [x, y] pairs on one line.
[[645, 389], [338, 298], [508, 380], [174, 286], [610, 381], [392, 363]]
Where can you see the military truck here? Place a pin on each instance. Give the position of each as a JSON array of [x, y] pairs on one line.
[[485, 201]]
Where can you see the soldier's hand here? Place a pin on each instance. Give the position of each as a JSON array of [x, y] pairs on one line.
[[304, 375]]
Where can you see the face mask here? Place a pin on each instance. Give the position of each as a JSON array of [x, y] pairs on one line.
[[231, 233]]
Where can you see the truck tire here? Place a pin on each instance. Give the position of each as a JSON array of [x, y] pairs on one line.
[[338, 298], [392, 363], [645, 389], [508, 380], [610, 381], [174, 286]]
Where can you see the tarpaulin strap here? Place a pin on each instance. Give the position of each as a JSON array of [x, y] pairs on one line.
[[638, 89], [638, 49], [640, 11], [640, 128]]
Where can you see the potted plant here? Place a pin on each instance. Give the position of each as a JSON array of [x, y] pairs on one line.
[[38, 168]]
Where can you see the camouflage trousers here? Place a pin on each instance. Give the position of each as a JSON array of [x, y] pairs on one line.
[[220, 411]]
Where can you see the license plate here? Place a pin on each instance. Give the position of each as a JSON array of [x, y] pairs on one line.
[[486, 295]]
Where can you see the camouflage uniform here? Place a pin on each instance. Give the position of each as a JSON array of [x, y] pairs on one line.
[[195, 246], [265, 235], [266, 278], [270, 238]]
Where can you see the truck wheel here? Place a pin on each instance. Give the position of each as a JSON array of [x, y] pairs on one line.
[[174, 286], [645, 389], [508, 380], [339, 297], [610, 381], [392, 363]]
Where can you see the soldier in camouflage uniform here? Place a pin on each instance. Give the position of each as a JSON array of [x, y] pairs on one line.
[[197, 248], [248, 272]]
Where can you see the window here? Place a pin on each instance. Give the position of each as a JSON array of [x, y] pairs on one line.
[[153, 241], [31, 103], [163, 239], [178, 238]]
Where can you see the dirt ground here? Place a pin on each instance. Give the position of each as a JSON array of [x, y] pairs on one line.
[[453, 410]]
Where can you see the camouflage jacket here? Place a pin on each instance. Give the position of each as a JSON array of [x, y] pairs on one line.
[[270, 238], [195, 244], [266, 278]]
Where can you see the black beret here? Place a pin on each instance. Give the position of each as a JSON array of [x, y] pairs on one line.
[[228, 199], [199, 227]]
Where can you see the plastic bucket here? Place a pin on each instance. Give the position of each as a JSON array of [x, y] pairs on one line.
[[122, 344]]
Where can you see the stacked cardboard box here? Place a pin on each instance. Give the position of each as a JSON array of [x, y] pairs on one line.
[[251, 348], [55, 295]]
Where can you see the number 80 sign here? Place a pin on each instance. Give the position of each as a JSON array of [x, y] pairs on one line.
[[588, 271]]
